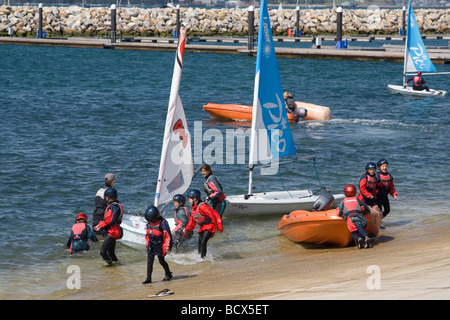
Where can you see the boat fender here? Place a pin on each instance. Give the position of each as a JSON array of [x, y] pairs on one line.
[[324, 202]]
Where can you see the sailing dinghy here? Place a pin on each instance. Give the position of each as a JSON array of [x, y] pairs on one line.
[[416, 59], [271, 136], [176, 167]]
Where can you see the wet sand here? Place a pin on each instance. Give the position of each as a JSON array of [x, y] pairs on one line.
[[405, 263]]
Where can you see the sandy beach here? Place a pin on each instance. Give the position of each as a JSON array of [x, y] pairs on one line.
[[405, 263]]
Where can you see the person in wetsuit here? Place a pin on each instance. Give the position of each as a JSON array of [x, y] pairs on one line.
[[418, 82], [206, 217], [101, 204]]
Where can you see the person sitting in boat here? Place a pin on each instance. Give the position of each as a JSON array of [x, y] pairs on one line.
[[158, 240], [80, 234], [292, 108], [352, 209], [181, 216], [207, 219], [418, 82], [385, 187], [368, 185], [213, 189]]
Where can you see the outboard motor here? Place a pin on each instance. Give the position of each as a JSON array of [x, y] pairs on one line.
[[324, 202]]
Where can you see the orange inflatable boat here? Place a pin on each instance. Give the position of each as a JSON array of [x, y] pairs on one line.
[[324, 227], [244, 112]]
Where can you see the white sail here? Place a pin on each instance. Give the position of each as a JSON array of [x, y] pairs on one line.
[[176, 167]]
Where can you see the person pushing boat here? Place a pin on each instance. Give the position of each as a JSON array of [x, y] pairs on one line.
[[418, 82], [292, 108], [207, 219], [352, 209], [181, 217]]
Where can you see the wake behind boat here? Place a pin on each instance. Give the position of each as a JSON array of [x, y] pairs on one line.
[[416, 59]]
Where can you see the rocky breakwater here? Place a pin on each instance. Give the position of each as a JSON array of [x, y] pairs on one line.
[[78, 21]]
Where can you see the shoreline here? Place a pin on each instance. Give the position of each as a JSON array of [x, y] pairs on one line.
[[405, 263]]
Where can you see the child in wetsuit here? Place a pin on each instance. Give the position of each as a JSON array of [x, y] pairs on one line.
[[158, 240], [352, 209], [385, 187], [80, 234], [181, 216]]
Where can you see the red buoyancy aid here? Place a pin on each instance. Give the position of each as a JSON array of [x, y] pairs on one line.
[[367, 187], [418, 81], [79, 231], [206, 217], [385, 183], [154, 231], [351, 207], [113, 219]]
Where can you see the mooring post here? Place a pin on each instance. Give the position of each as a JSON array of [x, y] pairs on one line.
[[251, 28], [113, 23], [40, 21], [339, 24], [297, 23]]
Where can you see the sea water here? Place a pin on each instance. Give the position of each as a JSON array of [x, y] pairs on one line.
[[70, 115]]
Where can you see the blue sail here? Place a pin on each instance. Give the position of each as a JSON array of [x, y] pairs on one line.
[[416, 56], [269, 110]]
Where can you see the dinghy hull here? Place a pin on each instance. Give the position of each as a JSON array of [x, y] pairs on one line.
[[276, 202], [324, 227], [410, 91], [244, 113]]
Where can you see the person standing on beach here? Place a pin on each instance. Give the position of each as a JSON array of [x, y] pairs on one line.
[[385, 187], [214, 190], [352, 210], [204, 216], [101, 204], [368, 185], [158, 240], [113, 219]]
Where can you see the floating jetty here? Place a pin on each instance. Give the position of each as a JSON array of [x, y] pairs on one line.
[[238, 45]]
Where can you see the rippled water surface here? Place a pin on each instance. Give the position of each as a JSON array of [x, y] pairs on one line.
[[69, 115]]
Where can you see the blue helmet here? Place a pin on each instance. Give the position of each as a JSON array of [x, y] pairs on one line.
[[111, 193], [179, 198], [371, 165], [194, 193], [151, 214], [381, 162]]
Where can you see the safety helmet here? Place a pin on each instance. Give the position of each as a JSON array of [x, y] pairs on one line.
[[151, 214], [371, 165], [179, 198], [350, 190], [194, 193], [81, 216], [111, 193], [381, 162], [419, 73]]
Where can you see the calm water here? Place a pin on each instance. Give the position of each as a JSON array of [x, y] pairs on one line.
[[69, 115]]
